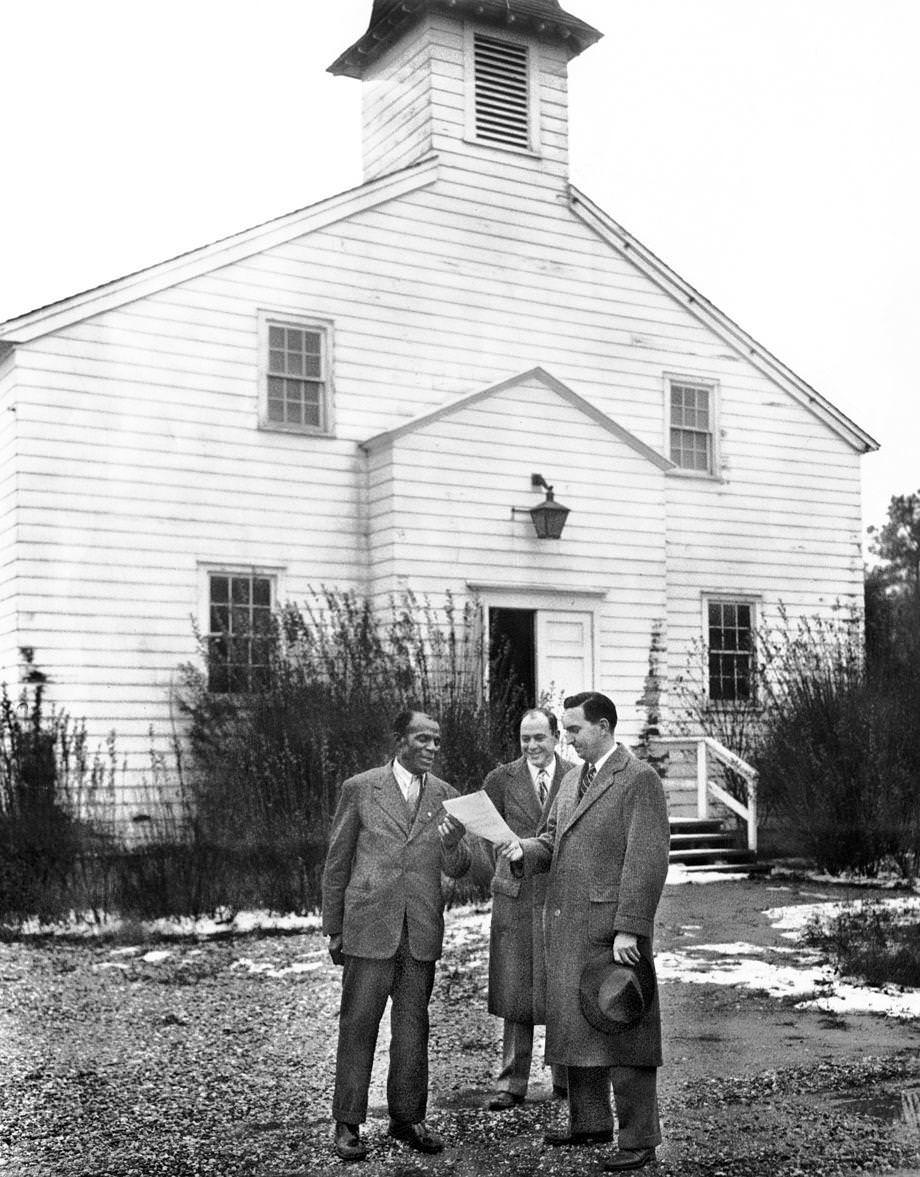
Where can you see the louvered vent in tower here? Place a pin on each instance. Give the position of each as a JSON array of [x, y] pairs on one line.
[[502, 92]]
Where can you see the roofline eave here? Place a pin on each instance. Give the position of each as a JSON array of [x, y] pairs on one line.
[[709, 314], [214, 255]]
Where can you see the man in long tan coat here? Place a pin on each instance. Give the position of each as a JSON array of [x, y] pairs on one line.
[[605, 845], [523, 792]]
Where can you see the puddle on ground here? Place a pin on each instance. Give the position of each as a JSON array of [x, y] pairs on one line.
[[893, 1107]]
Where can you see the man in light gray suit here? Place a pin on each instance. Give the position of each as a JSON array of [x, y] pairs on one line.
[[384, 913], [605, 844]]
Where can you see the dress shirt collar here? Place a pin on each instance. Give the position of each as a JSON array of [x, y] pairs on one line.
[[602, 760], [404, 778], [549, 769]]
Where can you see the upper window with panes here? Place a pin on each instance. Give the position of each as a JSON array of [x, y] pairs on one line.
[[692, 426], [296, 379]]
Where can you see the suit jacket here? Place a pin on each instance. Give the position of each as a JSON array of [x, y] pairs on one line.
[[383, 868], [517, 968], [607, 857]]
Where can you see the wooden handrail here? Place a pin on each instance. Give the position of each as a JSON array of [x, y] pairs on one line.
[[706, 745]]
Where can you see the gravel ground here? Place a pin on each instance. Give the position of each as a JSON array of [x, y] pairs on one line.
[[119, 1061]]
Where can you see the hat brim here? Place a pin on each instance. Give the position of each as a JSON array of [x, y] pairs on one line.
[[593, 976]]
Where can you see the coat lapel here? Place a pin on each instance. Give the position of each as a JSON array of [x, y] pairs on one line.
[[602, 782], [524, 790], [388, 796]]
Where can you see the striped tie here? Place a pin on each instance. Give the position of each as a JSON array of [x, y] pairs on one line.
[[587, 776], [542, 786]]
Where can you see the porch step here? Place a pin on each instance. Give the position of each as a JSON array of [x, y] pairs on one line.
[[711, 854], [705, 844], [696, 825], [726, 868], [700, 841]]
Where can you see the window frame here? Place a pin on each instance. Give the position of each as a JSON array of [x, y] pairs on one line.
[[207, 571], [267, 318], [753, 602], [710, 386], [534, 146]]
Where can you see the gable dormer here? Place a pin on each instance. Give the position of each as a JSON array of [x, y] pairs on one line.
[[481, 79]]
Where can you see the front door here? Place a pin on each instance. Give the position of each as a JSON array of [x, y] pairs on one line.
[[549, 653], [565, 653]]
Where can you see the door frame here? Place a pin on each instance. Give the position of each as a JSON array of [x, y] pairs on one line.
[[589, 600]]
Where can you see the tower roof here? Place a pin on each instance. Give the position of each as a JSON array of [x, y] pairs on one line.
[[390, 19]]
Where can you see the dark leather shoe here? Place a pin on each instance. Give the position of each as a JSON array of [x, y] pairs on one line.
[[348, 1142], [557, 1138], [502, 1100], [417, 1136], [629, 1158]]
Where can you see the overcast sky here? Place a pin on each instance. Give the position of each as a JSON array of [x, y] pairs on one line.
[[768, 150]]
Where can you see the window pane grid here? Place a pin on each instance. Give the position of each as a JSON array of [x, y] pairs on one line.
[[691, 429], [296, 388], [731, 651], [239, 633], [690, 450]]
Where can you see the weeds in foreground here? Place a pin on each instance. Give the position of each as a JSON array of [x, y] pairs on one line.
[[878, 943]]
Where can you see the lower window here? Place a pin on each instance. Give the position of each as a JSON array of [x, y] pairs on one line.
[[730, 644], [239, 631]]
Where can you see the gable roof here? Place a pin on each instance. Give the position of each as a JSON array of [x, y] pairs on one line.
[[207, 258], [379, 440], [391, 19], [718, 322]]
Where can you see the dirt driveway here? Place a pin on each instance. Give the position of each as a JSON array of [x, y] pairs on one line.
[[184, 1059]]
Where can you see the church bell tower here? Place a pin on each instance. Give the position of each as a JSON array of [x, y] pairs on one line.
[[477, 82]]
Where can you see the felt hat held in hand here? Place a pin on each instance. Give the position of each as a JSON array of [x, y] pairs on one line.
[[615, 996]]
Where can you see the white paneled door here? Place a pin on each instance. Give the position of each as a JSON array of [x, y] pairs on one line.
[[565, 652]]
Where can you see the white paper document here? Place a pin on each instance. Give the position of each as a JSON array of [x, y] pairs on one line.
[[480, 817]]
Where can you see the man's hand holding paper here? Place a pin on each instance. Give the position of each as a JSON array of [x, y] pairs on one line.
[[480, 817]]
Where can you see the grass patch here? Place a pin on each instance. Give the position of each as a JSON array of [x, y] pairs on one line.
[[879, 943]]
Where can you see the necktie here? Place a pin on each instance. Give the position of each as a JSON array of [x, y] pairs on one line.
[[588, 774], [542, 786], [412, 795]]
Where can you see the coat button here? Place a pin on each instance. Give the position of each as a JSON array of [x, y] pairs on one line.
[[558, 911]]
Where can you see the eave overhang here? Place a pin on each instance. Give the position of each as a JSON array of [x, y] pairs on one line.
[[391, 19], [207, 258], [717, 321]]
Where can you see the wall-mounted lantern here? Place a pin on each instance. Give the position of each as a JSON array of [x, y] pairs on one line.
[[549, 516]]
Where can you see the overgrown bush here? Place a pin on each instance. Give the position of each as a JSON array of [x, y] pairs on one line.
[[835, 742], [839, 756], [873, 941], [47, 779], [244, 824], [267, 765]]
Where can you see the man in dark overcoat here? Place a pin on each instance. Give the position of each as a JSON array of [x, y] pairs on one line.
[[384, 913], [605, 845], [523, 793]]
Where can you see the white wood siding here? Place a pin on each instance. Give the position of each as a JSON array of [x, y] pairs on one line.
[[397, 109], [415, 102], [9, 636], [441, 499], [141, 457]]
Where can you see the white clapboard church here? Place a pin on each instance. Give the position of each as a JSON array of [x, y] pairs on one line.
[[375, 391]]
